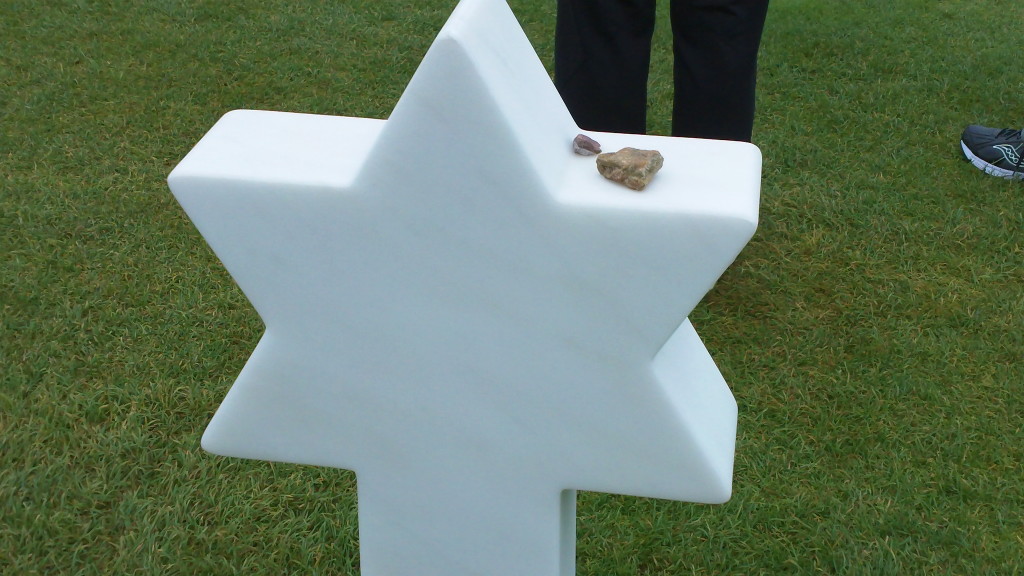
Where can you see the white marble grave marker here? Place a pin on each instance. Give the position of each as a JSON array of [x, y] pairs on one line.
[[467, 314]]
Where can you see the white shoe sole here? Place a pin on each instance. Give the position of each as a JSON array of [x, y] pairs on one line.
[[989, 168]]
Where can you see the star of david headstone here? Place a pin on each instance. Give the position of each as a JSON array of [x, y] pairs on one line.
[[467, 314]]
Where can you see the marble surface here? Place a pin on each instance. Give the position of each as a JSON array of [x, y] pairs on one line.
[[466, 314]]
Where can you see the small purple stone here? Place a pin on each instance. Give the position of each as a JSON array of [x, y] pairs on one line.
[[585, 145]]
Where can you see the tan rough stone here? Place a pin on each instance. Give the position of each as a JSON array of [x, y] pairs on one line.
[[630, 166]]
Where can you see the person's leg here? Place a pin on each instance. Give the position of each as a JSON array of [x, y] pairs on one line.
[[715, 47], [602, 57]]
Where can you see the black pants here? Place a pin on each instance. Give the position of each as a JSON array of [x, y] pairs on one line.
[[603, 53]]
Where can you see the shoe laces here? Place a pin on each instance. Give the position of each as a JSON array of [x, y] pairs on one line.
[[1009, 133]]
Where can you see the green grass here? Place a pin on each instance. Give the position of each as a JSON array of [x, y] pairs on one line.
[[871, 331]]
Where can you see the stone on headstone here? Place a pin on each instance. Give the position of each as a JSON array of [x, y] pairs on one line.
[[629, 166], [585, 145]]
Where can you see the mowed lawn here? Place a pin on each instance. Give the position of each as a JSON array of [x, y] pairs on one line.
[[871, 331]]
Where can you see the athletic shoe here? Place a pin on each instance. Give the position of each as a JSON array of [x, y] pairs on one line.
[[996, 152]]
